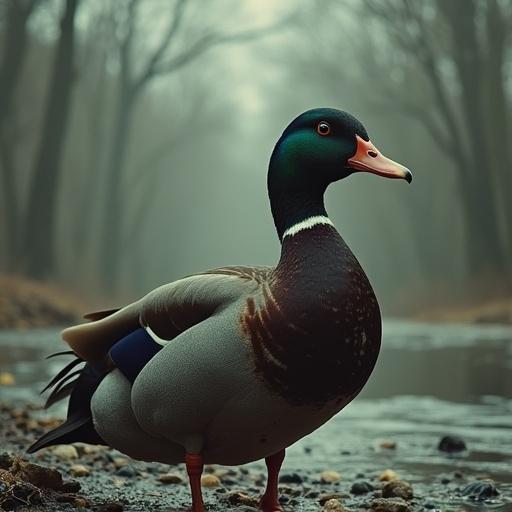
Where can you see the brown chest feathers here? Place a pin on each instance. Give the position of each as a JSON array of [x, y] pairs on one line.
[[315, 329]]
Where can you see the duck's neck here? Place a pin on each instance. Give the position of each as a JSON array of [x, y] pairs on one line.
[[294, 205]]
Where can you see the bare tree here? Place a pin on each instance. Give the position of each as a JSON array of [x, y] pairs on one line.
[[175, 48], [464, 73], [40, 225], [14, 51]]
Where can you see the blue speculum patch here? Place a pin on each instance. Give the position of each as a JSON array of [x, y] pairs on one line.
[[133, 352]]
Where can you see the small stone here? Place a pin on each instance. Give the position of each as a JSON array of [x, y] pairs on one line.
[[65, 452], [170, 478], [290, 478], [397, 489], [79, 470], [390, 505], [126, 471], [387, 475], [333, 505], [7, 379], [120, 462], [480, 490], [330, 477], [210, 481], [240, 498], [70, 486], [324, 498], [359, 488], [452, 444]]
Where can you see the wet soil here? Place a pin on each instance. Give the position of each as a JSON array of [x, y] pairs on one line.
[[431, 381]]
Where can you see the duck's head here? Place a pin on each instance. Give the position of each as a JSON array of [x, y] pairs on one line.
[[319, 147]]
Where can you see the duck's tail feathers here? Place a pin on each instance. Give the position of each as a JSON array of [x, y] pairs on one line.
[[80, 386]]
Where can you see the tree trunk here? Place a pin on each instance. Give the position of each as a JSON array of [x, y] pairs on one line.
[[112, 220], [13, 57], [40, 224]]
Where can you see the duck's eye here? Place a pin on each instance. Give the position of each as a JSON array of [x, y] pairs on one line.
[[323, 128]]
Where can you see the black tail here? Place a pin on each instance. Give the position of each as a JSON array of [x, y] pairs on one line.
[[79, 385]]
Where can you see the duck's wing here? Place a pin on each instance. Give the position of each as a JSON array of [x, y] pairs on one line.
[[166, 311]]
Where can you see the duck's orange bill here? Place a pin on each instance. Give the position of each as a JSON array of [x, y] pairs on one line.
[[368, 158]]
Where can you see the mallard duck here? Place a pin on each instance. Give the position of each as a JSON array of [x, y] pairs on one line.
[[235, 364]]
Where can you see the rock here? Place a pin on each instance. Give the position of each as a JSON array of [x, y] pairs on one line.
[[359, 488], [120, 462], [240, 498], [397, 489], [40, 476], [7, 379], [324, 498], [170, 478], [210, 481], [480, 490], [333, 505], [70, 486], [79, 470], [126, 471], [290, 478], [65, 452], [387, 444], [390, 505], [387, 475], [330, 477], [452, 444]]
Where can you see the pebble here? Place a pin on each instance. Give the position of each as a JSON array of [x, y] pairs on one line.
[[120, 462], [388, 475], [240, 498], [65, 452], [330, 477], [480, 490], [397, 489], [70, 486], [126, 471], [359, 488], [390, 505], [79, 470], [210, 481], [7, 379], [333, 505], [170, 478], [452, 444], [290, 478]]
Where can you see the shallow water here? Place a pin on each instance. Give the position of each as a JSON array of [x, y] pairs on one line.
[[430, 380]]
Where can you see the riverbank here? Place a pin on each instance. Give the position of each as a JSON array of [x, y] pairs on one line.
[[97, 478], [27, 304]]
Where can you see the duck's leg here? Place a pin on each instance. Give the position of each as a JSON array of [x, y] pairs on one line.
[[195, 465], [270, 500]]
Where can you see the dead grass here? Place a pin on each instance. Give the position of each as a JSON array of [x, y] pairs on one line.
[[26, 304]]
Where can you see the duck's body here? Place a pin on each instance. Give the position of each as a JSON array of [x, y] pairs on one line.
[[251, 377], [235, 364]]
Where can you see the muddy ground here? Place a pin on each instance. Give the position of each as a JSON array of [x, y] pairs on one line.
[[381, 453]]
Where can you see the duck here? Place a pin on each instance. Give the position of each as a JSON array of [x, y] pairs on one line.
[[237, 363]]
